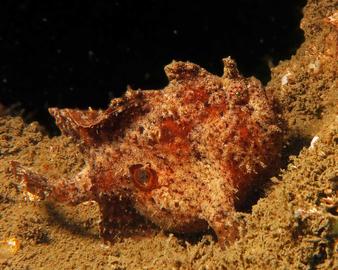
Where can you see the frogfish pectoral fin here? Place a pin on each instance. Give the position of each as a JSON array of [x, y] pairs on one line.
[[119, 218]]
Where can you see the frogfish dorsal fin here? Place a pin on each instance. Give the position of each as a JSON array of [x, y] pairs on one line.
[[95, 126]]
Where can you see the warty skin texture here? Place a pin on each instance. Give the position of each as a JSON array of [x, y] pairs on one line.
[[181, 157]]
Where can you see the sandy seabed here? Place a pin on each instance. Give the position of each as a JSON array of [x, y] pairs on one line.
[[293, 226]]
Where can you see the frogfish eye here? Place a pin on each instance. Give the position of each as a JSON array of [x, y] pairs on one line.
[[143, 177]]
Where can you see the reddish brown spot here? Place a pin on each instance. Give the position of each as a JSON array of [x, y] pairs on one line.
[[144, 178], [170, 129], [105, 180], [173, 136], [214, 111], [45, 167], [196, 95], [243, 132]]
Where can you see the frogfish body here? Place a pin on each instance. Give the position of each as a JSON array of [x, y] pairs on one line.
[[181, 157]]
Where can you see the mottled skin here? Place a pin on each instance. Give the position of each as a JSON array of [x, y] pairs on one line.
[[182, 157]]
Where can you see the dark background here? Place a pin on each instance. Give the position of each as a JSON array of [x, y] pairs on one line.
[[82, 53]]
